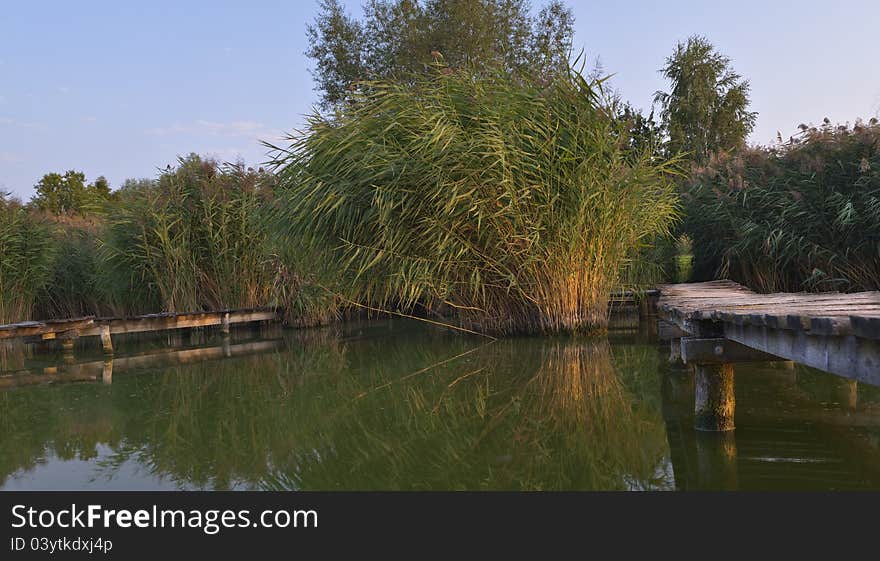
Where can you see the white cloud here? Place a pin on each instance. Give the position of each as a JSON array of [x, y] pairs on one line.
[[238, 129], [226, 154], [234, 128]]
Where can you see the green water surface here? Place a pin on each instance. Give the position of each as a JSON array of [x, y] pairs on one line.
[[403, 405]]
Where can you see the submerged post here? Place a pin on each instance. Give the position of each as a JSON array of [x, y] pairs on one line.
[[106, 341], [107, 372], [714, 402], [717, 460], [67, 350], [850, 394]]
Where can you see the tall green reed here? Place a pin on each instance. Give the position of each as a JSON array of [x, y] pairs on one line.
[[515, 203], [802, 216], [26, 256], [196, 240]]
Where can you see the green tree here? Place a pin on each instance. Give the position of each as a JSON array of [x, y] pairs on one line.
[[69, 194], [336, 43], [706, 110], [399, 37], [100, 188]]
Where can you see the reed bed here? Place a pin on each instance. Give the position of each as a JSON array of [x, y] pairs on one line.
[[802, 216], [514, 203], [74, 288], [197, 240], [26, 257]]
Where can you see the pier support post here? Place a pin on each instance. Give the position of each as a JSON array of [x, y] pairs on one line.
[[224, 323], [106, 341], [67, 350], [107, 372], [194, 335], [714, 398], [675, 351], [849, 394]]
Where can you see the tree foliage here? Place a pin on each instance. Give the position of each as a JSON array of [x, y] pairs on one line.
[[67, 194], [398, 38], [706, 110]]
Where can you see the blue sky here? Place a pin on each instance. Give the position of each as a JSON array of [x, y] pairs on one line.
[[121, 88]]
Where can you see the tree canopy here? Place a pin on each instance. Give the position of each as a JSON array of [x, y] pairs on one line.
[[400, 37], [68, 193], [706, 110]]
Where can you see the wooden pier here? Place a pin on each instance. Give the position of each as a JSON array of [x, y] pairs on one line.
[[66, 331], [720, 323]]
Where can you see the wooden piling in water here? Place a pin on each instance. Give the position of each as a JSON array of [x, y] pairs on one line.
[[717, 461], [714, 402], [106, 341], [107, 372], [850, 394]]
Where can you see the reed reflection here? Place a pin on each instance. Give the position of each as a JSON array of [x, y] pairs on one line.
[[374, 407], [396, 405]]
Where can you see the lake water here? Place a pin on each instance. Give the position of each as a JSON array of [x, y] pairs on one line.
[[402, 405]]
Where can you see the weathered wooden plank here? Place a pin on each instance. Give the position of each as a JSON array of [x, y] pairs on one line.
[[866, 326], [696, 302], [720, 312], [40, 328], [819, 313], [667, 330], [90, 326], [848, 356], [720, 351]]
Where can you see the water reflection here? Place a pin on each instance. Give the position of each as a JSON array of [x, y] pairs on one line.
[[797, 428], [397, 405], [378, 406]]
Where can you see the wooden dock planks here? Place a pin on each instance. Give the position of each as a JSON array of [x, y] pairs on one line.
[[91, 326], [725, 301], [834, 332]]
